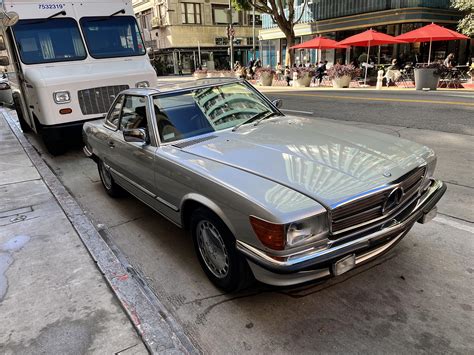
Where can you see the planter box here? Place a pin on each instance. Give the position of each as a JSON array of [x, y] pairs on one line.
[[342, 82], [302, 82], [426, 79], [266, 80], [200, 75]]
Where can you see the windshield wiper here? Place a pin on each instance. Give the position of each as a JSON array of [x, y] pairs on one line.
[[270, 114], [259, 117], [58, 13], [118, 12], [250, 119]]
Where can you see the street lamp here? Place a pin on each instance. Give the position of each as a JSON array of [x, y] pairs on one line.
[[231, 37]]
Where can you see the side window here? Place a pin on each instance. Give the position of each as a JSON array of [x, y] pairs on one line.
[[133, 113], [114, 116]]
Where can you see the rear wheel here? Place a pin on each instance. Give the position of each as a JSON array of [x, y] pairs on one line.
[[107, 180], [215, 249]]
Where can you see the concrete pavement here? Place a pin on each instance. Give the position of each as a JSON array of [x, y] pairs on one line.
[[53, 299]]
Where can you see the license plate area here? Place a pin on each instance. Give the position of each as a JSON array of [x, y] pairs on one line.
[[343, 265]]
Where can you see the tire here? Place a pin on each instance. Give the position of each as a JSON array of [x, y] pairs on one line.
[[24, 126], [54, 147], [220, 260], [108, 182]]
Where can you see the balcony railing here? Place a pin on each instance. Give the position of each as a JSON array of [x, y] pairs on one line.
[[327, 9]]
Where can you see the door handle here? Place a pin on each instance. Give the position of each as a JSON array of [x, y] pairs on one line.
[[111, 144]]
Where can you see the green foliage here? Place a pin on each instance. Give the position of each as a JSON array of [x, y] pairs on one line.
[[466, 25], [240, 5]]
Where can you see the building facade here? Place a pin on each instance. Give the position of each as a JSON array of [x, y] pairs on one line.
[[339, 19], [185, 34]]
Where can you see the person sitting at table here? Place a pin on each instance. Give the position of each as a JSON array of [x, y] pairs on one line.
[[393, 72], [449, 61]]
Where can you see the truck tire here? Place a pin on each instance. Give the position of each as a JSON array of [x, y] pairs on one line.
[[24, 126], [54, 147]]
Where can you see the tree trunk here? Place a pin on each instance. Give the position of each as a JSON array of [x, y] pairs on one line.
[[290, 53]]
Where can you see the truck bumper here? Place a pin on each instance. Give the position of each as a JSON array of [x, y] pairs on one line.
[[339, 258]]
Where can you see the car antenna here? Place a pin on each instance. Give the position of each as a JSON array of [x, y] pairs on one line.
[[118, 12], [58, 13]]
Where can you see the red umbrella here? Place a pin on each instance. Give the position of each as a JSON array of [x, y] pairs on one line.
[[430, 33], [367, 39], [319, 43]]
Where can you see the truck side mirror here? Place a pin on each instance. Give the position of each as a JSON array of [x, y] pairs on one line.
[[9, 18], [2, 43], [4, 61]]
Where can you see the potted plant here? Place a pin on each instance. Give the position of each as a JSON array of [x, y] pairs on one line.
[[302, 76], [427, 75], [471, 72], [341, 75], [200, 73], [265, 76]]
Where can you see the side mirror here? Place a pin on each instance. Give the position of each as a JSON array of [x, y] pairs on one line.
[[135, 135], [277, 103], [4, 61]]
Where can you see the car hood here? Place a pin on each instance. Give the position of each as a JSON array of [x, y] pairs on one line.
[[328, 162]]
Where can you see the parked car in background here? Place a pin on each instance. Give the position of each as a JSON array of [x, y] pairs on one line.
[[280, 198]]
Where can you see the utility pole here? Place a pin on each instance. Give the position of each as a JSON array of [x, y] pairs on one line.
[[231, 37], [253, 32]]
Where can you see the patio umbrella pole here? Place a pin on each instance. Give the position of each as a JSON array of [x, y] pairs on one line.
[[429, 53], [367, 64]]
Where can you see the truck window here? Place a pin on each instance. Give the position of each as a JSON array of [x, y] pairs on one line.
[[49, 40], [109, 37]]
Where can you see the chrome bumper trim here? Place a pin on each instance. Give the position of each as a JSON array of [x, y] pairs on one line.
[[313, 257], [87, 152]]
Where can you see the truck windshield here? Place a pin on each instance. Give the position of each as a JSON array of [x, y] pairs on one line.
[[49, 40], [109, 37]]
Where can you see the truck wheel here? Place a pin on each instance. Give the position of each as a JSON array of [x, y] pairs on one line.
[[215, 249], [24, 126], [55, 147], [107, 180]]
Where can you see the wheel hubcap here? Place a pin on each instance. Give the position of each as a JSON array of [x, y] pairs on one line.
[[106, 177], [212, 249]]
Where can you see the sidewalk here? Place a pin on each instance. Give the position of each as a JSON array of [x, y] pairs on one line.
[[53, 298]]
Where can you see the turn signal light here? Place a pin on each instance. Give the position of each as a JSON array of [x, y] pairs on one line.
[[270, 234], [65, 111]]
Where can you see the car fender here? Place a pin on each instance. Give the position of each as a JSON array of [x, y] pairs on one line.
[[207, 202]]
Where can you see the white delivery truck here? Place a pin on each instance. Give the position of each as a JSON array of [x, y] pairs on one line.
[[69, 59]]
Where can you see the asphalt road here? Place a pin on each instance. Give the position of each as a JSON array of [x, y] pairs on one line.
[[443, 111], [415, 299]]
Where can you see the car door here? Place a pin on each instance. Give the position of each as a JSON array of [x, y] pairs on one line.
[[133, 163]]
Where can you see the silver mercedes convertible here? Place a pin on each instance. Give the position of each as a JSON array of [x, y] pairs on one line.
[[280, 198]]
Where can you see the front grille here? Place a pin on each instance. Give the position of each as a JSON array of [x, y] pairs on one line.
[[365, 210], [98, 100]]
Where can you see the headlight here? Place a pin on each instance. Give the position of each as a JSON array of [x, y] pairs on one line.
[[142, 84], [284, 236], [62, 97], [308, 230]]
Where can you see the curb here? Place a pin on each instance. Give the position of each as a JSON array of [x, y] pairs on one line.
[[160, 332]]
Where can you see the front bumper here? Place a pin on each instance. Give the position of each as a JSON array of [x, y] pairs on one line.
[[317, 263]]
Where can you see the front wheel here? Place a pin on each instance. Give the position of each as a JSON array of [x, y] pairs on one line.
[[107, 180], [23, 124], [215, 249]]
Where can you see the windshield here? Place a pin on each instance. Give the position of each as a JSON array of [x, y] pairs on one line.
[[205, 110], [49, 40], [109, 37]]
